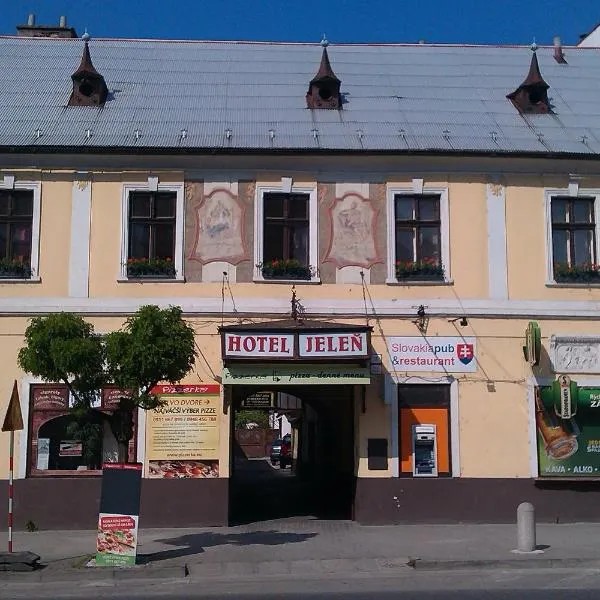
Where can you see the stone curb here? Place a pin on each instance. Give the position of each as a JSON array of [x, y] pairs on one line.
[[522, 563], [83, 574], [240, 571]]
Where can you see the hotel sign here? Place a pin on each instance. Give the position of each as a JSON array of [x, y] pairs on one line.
[[258, 345], [313, 345], [296, 374]]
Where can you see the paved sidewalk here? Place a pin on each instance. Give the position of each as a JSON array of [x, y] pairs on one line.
[[309, 547]]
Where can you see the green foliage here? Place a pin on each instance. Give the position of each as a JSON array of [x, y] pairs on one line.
[[87, 425], [63, 347], [243, 417], [155, 345]]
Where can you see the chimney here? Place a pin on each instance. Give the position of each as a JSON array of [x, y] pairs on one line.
[[559, 56], [55, 31]]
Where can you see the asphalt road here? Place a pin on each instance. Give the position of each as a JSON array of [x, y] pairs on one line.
[[401, 595], [500, 584]]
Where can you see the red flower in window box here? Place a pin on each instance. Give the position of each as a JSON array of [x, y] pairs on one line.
[[286, 268], [587, 273], [427, 269], [162, 268]]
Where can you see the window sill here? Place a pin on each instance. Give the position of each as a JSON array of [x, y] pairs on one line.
[[150, 280], [554, 284], [313, 281], [416, 282], [20, 280]]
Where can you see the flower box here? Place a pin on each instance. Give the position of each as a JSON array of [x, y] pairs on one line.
[[577, 273], [426, 270], [154, 268], [286, 269], [12, 269]]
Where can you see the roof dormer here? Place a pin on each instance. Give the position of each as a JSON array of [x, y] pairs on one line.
[[324, 89], [89, 87], [532, 95]]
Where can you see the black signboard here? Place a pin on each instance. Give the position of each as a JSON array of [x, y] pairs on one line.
[[377, 454], [259, 400], [116, 543]]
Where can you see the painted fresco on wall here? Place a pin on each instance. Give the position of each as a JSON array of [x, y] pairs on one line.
[[352, 232], [219, 229]]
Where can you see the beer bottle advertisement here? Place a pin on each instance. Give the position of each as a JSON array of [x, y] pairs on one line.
[[568, 447]]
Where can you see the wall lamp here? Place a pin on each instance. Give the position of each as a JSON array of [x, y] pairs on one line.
[[422, 319], [463, 321]]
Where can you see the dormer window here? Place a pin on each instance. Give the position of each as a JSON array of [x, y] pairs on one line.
[[324, 89], [89, 87], [531, 96]]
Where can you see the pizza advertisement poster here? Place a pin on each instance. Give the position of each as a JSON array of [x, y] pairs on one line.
[[183, 433], [116, 542], [183, 469]]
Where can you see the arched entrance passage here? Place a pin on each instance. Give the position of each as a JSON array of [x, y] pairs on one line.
[[320, 480]]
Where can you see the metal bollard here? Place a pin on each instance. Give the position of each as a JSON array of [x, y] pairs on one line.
[[526, 527]]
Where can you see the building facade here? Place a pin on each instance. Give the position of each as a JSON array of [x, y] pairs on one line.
[[382, 248]]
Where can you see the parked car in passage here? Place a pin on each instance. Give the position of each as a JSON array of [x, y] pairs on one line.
[[275, 451], [285, 453], [281, 452]]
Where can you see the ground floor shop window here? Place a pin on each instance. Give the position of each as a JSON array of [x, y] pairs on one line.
[[424, 430], [61, 443]]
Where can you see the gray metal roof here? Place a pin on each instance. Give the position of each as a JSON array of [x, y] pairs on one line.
[[396, 97]]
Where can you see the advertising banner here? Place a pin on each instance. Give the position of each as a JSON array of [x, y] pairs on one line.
[[297, 374], [183, 433], [435, 353], [116, 540], [568, 447]]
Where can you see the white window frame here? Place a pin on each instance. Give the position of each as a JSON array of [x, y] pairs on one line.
[[549, 193], [392, 192], [178, 188], [36, 188], [313, 229]]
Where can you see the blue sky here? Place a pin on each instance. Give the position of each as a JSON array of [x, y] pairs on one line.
[[441, 21]]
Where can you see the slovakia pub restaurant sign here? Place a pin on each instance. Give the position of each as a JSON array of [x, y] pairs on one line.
[[435, 353], [313, 345]]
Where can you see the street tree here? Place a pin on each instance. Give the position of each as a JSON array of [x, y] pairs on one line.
[[154, 345]]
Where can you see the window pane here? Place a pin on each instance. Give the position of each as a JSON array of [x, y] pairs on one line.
[[4, 203], [273, 242], [429, 209], [429, 243], [3, 239], [559, 210], [298, 206], [583, 247], [404, 244], [164, 241], [139, 204], [560, 245], [164, 205], [139, 240], [404, 208], [299, 244], [273, 205], [22, 204], [583, 211], [21, 242]]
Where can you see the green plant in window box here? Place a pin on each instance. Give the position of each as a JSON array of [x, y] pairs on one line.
[[150, 267], [428, 269], [565, 273], [286, 268], [14, 269]]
